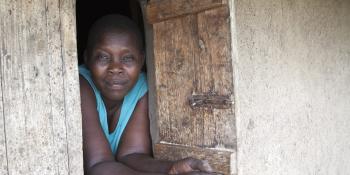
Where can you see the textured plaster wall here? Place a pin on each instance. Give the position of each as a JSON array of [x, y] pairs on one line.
[[292, 86]]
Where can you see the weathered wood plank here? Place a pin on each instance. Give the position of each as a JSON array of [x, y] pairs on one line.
[[162, 10], [3, 55], [192, 59], [13, 91], [174, 53], [40, 91], [3, 150], [220, 160], [33, 56], [56, 88], [27, 118], [214, 76], [8, 61], [71, 87]]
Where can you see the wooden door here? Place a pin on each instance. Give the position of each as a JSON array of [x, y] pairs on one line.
[[191, 81], [40, 118]]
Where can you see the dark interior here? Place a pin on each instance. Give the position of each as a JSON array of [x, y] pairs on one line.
[[88, 11]]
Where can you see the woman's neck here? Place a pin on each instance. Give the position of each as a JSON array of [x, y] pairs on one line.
[[112, 105], [113, 112]]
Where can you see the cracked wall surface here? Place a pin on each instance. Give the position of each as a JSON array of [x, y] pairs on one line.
[[292, 86]]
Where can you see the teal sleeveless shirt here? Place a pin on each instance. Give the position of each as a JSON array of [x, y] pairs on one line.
[[127, 108]]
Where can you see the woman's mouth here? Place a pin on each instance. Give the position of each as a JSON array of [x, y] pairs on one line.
[[116, 84]]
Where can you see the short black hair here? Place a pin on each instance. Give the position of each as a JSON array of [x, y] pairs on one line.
[[112, 23]]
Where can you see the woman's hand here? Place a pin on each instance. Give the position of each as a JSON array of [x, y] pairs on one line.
[[191, 166]]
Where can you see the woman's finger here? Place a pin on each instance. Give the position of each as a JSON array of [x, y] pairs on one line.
[[200, 173], [204, 166], [201, 165]]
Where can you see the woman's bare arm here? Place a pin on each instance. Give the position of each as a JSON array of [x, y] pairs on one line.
[[135, 148]]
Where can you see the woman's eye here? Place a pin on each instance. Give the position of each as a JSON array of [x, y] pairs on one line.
[[127, 59], [102, 57]]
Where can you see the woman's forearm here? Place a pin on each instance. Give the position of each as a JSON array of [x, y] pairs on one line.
[[145, 163], [114, 168]]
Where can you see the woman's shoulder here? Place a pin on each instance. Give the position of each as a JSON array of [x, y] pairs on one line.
[[85, 88], [140, 88], [142, 81]]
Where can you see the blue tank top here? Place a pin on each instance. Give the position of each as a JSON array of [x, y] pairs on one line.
[[127, 108]]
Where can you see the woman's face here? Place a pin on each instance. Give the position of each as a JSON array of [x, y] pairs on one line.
[[115, 63]]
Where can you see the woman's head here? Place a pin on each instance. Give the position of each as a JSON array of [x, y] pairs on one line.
[[114, 55], [114, 23]]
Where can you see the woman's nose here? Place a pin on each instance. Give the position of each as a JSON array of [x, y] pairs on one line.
[[115, 67]]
